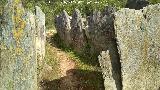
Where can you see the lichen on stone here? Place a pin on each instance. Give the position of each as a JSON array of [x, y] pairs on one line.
[[18, 58], [138, 37]]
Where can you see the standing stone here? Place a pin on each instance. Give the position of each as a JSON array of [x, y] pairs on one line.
[[104, 39], [106, 65], [93, 22], [111, 67], [137, 4], [101, 30], [63, 27], [18, 65], [138, 35], [77, 31], [40, 36]]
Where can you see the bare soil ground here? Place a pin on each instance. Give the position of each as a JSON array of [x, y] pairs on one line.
[[60, 72]]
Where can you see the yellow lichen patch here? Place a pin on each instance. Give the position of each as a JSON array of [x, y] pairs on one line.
[[18, 50], [18, 10], [17, 18], [22, 24], [17, 34], [17, 1], [18, 31]]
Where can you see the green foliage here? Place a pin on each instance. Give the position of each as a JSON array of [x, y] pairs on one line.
[[154, 1], [54, 7], [2, 4], [87, 68], [52, 61]]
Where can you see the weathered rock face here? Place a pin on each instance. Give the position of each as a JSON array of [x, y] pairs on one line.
[[101, 30], [102, 37], [63, 27], [18, 70], [40, 40], [111, 70], [98, 32], [111, 67], [40, 36], [77, 31], [138, 35], [137, 4]]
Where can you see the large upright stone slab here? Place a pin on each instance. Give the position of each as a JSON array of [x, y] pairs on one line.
[[138, 35], [103, 39], [107, 71], [62, 24], [18, 65], [40, 36], [77, 31], [101, 30]]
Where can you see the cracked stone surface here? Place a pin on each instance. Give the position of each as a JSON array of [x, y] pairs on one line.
[[138, 38], [18, 69], [62, 24], [105, 63]]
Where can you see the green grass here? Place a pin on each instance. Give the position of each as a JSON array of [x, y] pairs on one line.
[[91, 75], [52, 61], [87, 66], [83, 61]]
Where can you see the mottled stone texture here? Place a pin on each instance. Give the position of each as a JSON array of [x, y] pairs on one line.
[[62, 24], [71, 29], [77, 31], [111, 67], [40, 36], [106, 65], [102, 37], [18, 70], [100, 29], [138, 35], [97, 31]]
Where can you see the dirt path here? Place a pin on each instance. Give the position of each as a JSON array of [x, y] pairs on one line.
[[65, 62], [68, 81], [65, 73], [66, 65]]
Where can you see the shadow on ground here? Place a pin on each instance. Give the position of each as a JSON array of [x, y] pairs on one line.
[[85, 57], [76, 79]]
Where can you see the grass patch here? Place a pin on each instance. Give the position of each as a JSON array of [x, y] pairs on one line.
[[52, 61], [84, 57], [91, 76], [87, 66]]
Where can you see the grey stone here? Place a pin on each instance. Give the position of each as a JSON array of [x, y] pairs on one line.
[[63, 27], [111, 67], [40, 40], [18, 59], [77, 31], [138, 38], [100, 29], [40, 35], [102, 36], [106, 65]]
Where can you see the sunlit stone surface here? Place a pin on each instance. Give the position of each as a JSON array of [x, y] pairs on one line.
[[138, 35], [18, 65]]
